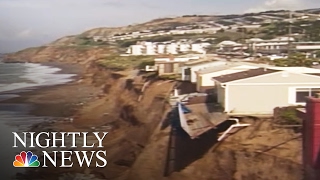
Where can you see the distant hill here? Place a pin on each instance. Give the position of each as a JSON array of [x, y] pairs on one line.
[[173, 22]]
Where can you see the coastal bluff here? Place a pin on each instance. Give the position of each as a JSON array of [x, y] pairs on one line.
[[137, 121]]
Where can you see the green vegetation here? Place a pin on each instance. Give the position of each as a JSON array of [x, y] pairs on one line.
[[86, 41], [170, 77], [296, 59], [288, 116], [120, 63], [310, 30]]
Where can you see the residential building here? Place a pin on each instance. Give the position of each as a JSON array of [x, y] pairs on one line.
[[204, 76], [273, 46], [150, 48], [200, 47], [229, 45], [184, 47], [304, 70], [188, 71], [153, 48], [170, 65], [259, 91], [136, 49], [172, 48], [306, 46], [161, 49]]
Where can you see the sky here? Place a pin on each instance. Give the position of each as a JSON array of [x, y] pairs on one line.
[[27, 23]]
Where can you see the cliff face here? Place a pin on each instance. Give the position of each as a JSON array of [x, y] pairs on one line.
[[64, 54], [259, 151], [131, 107]]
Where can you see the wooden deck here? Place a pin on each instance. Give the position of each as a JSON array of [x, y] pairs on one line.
[[201, 119]]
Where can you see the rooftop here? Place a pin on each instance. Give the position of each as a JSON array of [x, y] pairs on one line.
[[231, 65], [244, 74], [198, 62]]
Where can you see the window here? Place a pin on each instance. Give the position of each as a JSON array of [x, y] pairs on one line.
[[302, 93]]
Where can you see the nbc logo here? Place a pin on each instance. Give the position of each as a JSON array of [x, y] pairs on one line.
[[26, 160]]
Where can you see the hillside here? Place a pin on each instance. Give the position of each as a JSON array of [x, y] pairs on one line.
[[263, 25], [163, 23]]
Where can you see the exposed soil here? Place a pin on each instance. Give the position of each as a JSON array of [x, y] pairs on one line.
[[140, 143]]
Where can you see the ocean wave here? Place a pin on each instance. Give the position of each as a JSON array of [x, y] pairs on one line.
[[13, 86], [37, 75]]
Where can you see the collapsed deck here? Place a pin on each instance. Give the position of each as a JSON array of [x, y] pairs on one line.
[[197, 119]]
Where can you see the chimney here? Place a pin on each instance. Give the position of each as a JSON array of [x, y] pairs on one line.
[[311, 139]]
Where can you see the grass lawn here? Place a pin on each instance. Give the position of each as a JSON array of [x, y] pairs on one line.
[[120, 63]]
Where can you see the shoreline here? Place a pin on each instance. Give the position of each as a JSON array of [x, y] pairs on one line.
[[40, 107], [36, 96]]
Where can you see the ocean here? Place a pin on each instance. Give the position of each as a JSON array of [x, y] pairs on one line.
[[14, 79]]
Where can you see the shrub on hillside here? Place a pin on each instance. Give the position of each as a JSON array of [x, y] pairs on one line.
[[287, 115]]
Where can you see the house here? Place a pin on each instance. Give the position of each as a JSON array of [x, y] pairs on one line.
[[188, 71], [273, 45], [200, 47], [306, 46], [136, 49], [161, 49], [229, 45], [150, 48], [184, 47], [172, 48], [304, 70], [170, 65], [259, 91], [204, 76]]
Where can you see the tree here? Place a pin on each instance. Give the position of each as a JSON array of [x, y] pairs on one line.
[[296, 59]]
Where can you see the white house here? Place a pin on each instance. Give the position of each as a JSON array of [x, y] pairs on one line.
[[306, 46], [204, 76], [259, 91], [304, 70], [161, 49], [172, 48], [150, 48], [170, 65], [188, 71], [200, 47], [272, 44], [229, 45], [136, 49], [184, 47]]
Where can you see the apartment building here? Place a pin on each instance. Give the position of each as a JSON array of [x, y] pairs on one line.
[[272, 45], [151, 48]]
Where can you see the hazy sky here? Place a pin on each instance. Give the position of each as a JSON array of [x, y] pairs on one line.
[[25, 23]]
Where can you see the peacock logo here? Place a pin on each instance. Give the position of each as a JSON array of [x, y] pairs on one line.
[[26, 160]]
